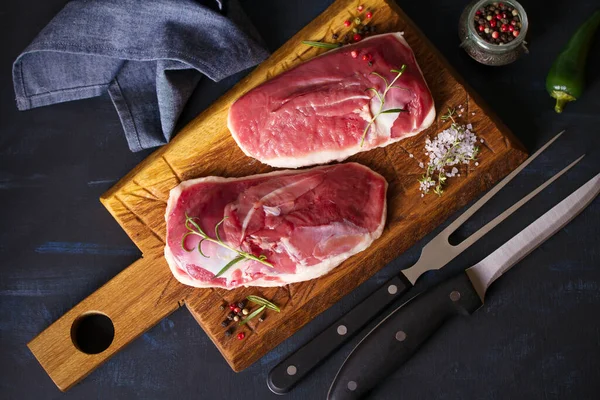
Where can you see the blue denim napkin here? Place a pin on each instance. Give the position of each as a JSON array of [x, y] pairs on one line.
[[149, 55]]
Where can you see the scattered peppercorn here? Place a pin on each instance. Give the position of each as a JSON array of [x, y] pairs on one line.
[[360, 8], [225, 322], [354, 53], [222, 307], [245, 311], [494, 19], [357, 21], [369, 14], [357, 37], [229, 331], [230, 316], [241, 335], [367, 57], [347, 23], [236, 309], [236, 318], [261, 318], [232, 306]]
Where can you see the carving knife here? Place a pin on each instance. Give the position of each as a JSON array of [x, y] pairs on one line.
[[437, 253], [391, 343]]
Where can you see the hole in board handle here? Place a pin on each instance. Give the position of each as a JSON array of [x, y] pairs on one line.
[[92, 332]]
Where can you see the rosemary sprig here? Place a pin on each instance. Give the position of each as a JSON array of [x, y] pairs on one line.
[[263, 302], [229, 265], [323, 45], [449, 115], [194, 229], [381, 97], [252, 315]]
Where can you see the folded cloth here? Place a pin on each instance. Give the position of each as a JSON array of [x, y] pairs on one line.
[[149, 55]]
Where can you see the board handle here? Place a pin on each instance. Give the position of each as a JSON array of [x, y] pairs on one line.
[[94, 330]]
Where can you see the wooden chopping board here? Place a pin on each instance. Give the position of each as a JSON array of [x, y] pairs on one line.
[[145, 292]]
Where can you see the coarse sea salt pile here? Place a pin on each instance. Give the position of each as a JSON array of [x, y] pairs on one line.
[[453, 146]]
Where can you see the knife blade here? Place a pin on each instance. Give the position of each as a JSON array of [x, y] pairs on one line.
[[392, 342], [434, 255]]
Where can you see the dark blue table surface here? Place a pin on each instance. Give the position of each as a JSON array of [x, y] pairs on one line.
[[537, 336]]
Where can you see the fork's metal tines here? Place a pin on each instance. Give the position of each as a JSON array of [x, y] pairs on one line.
[[438, 252]]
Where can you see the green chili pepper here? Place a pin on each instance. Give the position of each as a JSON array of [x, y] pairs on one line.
[[565, 81]]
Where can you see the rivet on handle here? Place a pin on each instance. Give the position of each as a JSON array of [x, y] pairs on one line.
[[291, 370], [400, 336], [455, 296]]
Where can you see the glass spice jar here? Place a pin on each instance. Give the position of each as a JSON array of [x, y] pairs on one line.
[[483, 51]]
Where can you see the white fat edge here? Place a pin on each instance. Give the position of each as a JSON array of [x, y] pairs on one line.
[[273, 211]]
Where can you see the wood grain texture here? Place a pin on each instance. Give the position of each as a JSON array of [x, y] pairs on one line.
[[205, 147]]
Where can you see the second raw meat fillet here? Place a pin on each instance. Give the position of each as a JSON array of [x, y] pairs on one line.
[[294, 225]]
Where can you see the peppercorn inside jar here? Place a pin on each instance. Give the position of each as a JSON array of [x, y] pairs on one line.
[[497, 23], [493, 33]]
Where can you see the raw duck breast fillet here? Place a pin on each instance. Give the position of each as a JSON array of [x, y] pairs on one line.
[[305, 223], [317, 112]]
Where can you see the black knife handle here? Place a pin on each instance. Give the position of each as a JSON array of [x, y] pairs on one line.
[[396, 338], [290, 371]]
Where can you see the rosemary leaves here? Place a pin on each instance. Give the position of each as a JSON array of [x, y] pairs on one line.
[[194, 229], [323, 45], [381, 97], [263, 303]]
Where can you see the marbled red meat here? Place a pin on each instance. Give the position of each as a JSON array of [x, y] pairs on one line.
[[317, 112], [305, 222]]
